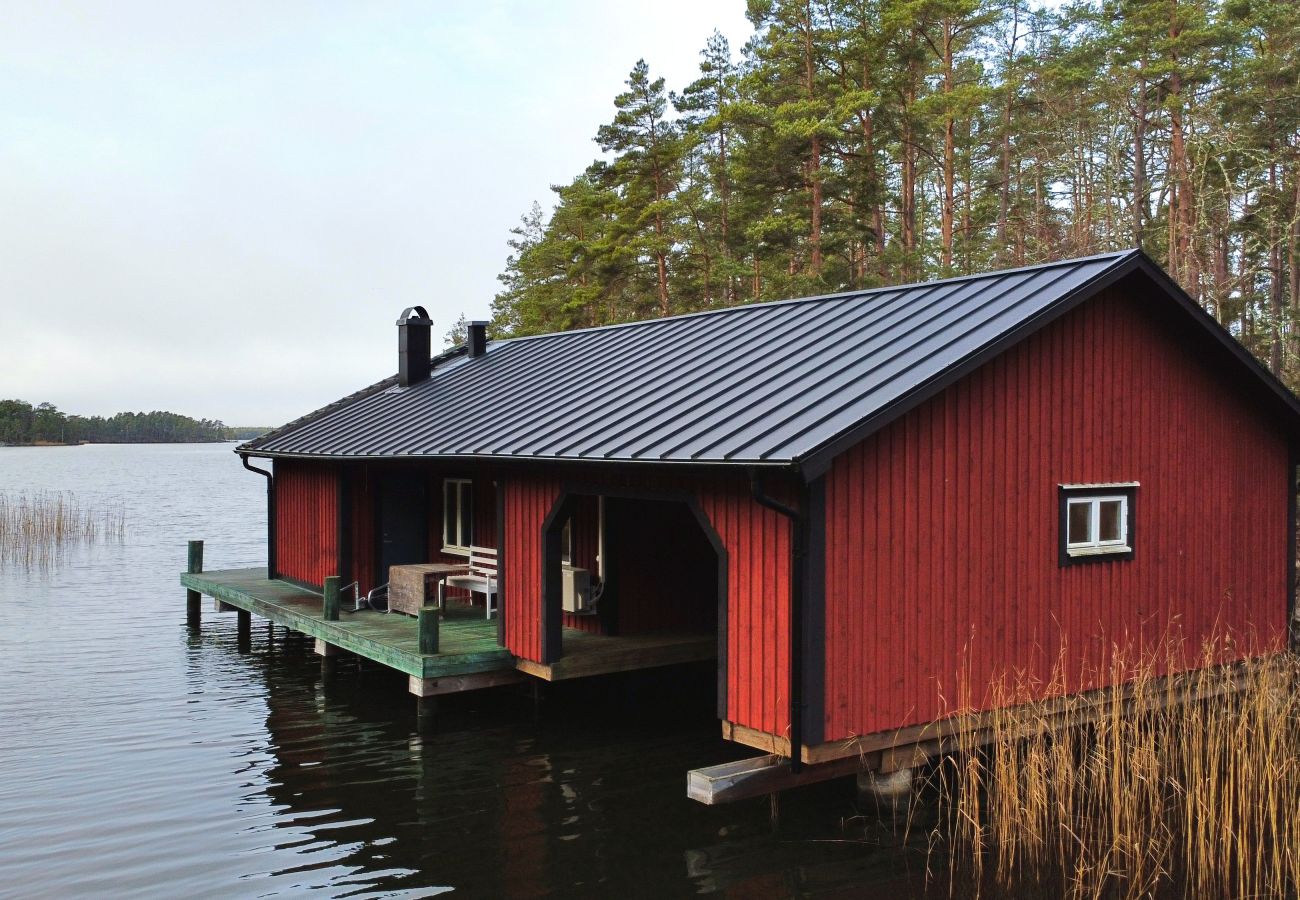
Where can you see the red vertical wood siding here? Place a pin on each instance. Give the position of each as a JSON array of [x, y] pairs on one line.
[[306, 520], [758, 605], [528, 501], [942, 530]]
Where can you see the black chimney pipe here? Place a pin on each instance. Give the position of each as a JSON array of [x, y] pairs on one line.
[[476, 338], [413, 328]]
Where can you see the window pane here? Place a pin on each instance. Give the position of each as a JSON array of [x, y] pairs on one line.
[[449, 512], [1080, 522], [466, 514], [1109, 520]]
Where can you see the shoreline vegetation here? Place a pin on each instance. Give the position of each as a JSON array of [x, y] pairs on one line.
[[1156, 787], [44, 425], [35, 527]]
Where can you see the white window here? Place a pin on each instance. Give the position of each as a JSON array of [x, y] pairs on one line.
[[457, 515], [1096, 521]]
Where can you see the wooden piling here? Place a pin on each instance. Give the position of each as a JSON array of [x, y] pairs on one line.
[[426, 714], [330, 612], [428, 623], [193, 599]]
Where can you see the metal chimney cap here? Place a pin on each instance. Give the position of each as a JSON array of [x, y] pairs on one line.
[[407, 319]]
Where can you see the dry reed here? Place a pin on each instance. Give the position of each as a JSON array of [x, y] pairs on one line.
[[1179, 786], [35, 527]]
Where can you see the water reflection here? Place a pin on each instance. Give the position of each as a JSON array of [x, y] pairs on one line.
[[143, 758]]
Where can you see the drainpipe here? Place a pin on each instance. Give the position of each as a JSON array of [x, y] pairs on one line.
[[270, 515], [798, 563]]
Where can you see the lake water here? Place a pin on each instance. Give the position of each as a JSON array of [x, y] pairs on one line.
[[140, 759]]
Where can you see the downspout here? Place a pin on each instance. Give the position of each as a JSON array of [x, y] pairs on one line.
[[798, 564], [270, 515]]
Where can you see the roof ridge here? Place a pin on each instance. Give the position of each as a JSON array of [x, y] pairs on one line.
[[835, 295]]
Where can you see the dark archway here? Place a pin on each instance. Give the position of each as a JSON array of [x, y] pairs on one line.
[[668, 509]]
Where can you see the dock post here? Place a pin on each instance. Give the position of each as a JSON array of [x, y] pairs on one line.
[[330, 613], [243, 630], [193, 599], [428, 629], [426, 713]]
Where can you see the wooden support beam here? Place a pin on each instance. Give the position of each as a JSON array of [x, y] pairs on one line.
[[428, 625], [759, 775], [244, 623], [907, 747], [330, 607], [193, 599], [324, 649], [432, 687]]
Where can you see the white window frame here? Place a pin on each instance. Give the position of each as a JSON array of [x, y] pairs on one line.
[[1095, 544], [458, 543], [1093, 496]]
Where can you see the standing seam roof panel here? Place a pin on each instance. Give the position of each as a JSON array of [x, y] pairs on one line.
[[765, 383]]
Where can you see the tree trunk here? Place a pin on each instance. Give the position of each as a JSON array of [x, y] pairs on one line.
[[814, 152], [947, 213], [1140, 161]]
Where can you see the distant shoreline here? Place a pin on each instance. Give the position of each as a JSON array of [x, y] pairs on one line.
[[115, 443]]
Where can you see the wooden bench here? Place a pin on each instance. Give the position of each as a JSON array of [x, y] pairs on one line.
[[478, 577]]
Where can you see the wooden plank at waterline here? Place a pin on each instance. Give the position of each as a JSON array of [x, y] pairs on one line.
[[759, 775]]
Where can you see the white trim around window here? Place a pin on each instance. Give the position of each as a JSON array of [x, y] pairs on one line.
[[457, 515]]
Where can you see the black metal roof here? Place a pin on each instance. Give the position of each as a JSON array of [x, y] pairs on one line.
[[786, 383]]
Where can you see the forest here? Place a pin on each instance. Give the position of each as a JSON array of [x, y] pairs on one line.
[[857, 143], [23, 423]]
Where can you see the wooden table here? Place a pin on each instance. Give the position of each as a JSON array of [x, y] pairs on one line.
[[413, 586]]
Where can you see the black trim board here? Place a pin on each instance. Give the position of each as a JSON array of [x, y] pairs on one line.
[[814, 615], [819, 460], [1293, 460], [552, 583], [1065, 494]]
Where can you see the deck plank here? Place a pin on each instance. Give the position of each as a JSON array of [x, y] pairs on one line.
[[468, 645]]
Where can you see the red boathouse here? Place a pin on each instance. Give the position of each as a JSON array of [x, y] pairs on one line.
[[869, 506]]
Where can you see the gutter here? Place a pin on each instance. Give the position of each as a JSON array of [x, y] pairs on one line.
[[799, 526], [270, 514]]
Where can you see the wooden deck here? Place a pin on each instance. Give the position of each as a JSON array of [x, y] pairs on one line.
[[467, 642], [597, 654], [468, 655]]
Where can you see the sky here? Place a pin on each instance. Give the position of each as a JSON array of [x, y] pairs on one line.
[[220, 209]]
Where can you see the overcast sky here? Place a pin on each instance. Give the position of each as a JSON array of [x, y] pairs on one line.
[[220, 208]]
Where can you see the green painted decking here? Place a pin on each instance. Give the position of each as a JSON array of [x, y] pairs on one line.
[[467, 643]]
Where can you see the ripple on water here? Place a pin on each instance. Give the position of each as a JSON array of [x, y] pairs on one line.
[[139, 759]]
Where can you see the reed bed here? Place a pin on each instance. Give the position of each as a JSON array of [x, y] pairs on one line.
[[35, 527], [1180, 786]]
